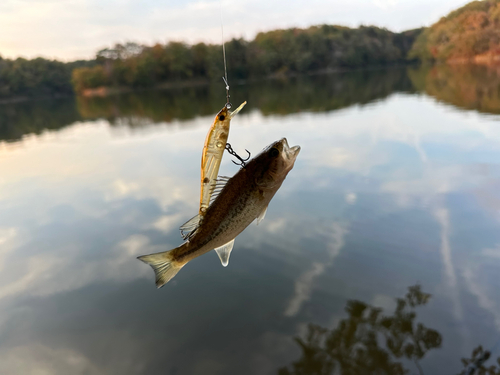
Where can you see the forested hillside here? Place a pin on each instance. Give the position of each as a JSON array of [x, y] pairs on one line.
[[468, 34], [279, 52], [36, 78]]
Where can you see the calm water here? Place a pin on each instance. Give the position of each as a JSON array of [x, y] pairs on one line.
[[397, 184]]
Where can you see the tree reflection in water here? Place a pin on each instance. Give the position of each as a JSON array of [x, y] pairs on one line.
[[470, 87], [467, 87], [476, 364], [369, 342]]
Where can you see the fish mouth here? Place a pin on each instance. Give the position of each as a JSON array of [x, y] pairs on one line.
[[235, 112], [290, 152]]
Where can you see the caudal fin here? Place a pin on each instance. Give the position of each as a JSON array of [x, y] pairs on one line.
[[163, 265]]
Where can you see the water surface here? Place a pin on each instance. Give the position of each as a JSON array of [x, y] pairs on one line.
[[397, 184]]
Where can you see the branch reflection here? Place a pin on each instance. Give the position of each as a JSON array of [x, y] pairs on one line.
[[467, 87], [370, 342]]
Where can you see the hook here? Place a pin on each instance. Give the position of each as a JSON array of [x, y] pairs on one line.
[[232, 152]]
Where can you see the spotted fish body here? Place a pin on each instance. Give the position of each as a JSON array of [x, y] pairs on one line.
[[243, 198], [213, 150]]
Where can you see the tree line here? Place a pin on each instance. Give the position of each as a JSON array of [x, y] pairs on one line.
[[468, 34], [314, 93], [275, 53], [471, 87], [37, 77]]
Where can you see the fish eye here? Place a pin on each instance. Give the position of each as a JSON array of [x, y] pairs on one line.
[[274, 152], [222, 117]]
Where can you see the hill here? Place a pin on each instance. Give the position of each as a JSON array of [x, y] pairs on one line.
[[275, 53], [22, 78], [468, 34]]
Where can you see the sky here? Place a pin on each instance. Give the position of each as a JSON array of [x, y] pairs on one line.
[[76, 29]]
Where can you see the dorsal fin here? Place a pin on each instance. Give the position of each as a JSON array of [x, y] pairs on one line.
[[218, 186], [189, 227], [224, 252]]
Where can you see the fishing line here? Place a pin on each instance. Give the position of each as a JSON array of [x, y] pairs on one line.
[[228, 104]]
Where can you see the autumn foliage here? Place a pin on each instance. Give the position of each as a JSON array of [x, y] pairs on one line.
[[468, 34]]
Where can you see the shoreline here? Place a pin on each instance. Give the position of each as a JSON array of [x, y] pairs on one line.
[[111, 91], [105, 91]]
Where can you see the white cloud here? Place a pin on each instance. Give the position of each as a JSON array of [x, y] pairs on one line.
[[166, 223], [478, 290], [277, 225], [7, 245], [303, 288], [334, 237], [78, 28], [44, 360], [443, 217], [351, 198], [492, 253], [134, 244], [384, 4]]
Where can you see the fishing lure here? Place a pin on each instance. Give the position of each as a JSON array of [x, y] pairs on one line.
[[214, 147]]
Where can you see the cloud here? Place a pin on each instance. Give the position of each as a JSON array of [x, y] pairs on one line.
[[492, 253], [384, 4], [351, 198], [170, 189], [304, 284], [73, 29], [7, 244], [45, 360], [303, 288], [483, 299], [442, 215]]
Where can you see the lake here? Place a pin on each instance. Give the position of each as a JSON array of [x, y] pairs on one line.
[[397, 186]]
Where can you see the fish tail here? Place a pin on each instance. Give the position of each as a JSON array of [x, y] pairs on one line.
[[164, 266]]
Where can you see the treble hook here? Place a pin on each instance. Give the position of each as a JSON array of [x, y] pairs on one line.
[[232, 152]]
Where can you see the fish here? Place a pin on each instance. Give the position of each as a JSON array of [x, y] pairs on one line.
[[241, 199], [213, 150]]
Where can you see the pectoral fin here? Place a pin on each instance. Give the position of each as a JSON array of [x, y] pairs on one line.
[[224, 252], [189, 228], [262, 215]]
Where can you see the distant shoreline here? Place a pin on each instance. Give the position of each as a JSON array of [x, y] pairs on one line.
[[22, 99], [111, 91], [104, 91]]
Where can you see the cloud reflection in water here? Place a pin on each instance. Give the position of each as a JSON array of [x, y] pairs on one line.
[[78, 205]]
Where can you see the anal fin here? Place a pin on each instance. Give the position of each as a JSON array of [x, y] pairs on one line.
[[224, 252]]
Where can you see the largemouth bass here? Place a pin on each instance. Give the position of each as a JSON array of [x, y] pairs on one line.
[[242, 199], [213, 150]]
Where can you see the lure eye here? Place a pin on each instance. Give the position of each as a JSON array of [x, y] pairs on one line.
[[274, 152], [222, 117]]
